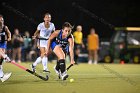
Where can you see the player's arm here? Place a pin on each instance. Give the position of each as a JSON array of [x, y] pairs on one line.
[[53, 29], [53, 35], [71, 47], [36, 34], [21, 39], [8, 33], [83, 46]]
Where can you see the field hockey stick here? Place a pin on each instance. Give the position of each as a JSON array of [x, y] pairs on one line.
[[29, 71], [23, 68], [69, 67]]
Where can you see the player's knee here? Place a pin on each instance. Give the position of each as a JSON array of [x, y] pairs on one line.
[[61, 60], [62, 56]]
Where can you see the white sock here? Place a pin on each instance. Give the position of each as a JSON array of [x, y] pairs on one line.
[[38, 60], [95, 62], [44, 63], [1, 72], [90, 61]]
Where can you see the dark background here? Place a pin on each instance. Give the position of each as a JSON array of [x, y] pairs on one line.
[[103, 14]]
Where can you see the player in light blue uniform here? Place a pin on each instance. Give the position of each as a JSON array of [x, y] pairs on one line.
[[62, 42], [4, 32]]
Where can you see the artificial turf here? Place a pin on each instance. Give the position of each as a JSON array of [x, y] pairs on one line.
[[100, 78]]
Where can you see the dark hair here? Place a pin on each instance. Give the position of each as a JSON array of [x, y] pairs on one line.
[[67, 24], [1, 15], [47, 14]]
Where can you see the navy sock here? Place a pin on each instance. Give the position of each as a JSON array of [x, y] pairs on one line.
[[57, 66], [1, 60]]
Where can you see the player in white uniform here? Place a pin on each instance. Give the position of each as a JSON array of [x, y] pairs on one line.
[[44, 31]]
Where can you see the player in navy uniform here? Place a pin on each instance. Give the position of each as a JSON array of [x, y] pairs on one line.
[[4, 32], [62, 42]]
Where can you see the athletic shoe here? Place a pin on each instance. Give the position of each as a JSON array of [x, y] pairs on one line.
[[95, 62], [33, 68], [90, 62], [64, 76], [57, 72], [5, 77], [19, 61], [7, 59], [46, 71]]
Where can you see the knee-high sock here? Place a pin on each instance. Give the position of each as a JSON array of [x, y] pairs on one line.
[[1, 71], [62, 65], [38, 60], [57, 65], [45, 62]]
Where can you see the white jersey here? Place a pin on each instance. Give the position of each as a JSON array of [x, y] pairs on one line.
[[45, 33]]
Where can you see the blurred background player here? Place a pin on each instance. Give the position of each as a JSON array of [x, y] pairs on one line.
[[78, 42], [17, 41], [4, 32], [93, 46], [62, 42], [44, 31], [26, 46]]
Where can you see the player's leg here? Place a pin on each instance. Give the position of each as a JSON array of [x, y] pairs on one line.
[[3, 77], [57, 68], [38, 60], [90, 57], [61, 62], [1, 71], [14, 54], [19, 54], [95, 56], [77, 52], [44, 60]]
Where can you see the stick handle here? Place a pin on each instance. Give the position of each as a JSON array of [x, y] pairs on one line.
[[12, 62], [69, 66], [23, 68]]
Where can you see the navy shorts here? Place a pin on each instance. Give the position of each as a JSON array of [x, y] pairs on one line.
[[65, 49], [3, 45]]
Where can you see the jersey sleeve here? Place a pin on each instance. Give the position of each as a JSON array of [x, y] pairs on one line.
[[39, 27], [53, 27]]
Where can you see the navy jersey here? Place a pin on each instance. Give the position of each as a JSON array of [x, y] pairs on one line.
[[3, 38], [3, 35], [61, 42]]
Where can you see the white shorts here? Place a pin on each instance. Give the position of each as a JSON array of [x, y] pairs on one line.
[[42, 43]]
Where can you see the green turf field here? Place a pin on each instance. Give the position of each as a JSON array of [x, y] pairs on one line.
[[101, 78]]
